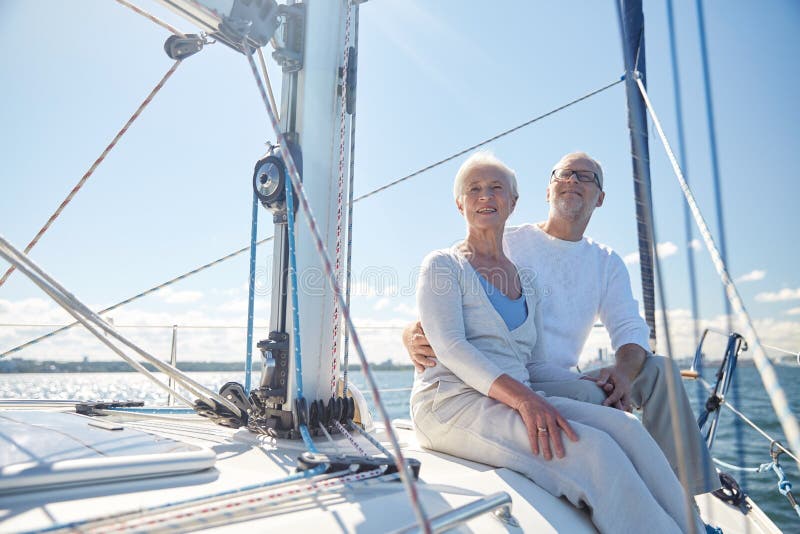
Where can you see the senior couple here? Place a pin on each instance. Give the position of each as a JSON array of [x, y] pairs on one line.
[[503, 317]]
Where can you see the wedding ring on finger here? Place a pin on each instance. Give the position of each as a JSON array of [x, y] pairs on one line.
[[541, 429]]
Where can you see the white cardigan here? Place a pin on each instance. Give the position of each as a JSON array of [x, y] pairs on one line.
[[472, 342]]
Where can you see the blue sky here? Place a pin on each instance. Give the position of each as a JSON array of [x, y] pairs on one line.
[[434, 77]]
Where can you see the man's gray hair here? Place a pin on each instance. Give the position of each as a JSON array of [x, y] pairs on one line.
[[479, 160], [582, 155]]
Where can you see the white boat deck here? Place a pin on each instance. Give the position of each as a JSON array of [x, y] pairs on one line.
[[245, 460]]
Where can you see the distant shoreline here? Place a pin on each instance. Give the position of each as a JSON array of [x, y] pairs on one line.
[[19, 365]]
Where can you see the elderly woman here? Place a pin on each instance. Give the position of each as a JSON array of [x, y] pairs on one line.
[[481, 317]]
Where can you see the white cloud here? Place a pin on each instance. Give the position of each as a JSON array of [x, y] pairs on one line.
[[665, 250], [695, 244], [382, 304], [152, 330], [631, 259], [752, 276], [238, 306], [779, 296], [405, 309], [381, 340], [375, 286], [793, 311], [171, 296], [775, 332]]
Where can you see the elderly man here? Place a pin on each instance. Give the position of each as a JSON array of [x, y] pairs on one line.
[[579, 281]]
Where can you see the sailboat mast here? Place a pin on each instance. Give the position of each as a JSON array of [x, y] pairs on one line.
[[632, 30], [317, 127]]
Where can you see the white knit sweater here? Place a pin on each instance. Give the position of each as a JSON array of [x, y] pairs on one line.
[[578, 282]]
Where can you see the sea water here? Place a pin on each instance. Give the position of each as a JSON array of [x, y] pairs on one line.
[[736, 443]]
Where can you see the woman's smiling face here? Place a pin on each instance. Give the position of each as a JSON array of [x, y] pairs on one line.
[[486, 199]]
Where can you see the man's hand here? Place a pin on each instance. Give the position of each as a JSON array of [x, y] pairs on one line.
[[616, 385], [616, 381], [418, 347]]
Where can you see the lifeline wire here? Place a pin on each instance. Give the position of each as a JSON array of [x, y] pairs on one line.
[[294, 176], [487, 141], [136, 297], [790, 353], [81, 312], [784, 486], [776, 394], [752, 425], [15, 258], [94, 166]]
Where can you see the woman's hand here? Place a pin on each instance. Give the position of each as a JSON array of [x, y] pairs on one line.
[[544, 425], [542, 420]]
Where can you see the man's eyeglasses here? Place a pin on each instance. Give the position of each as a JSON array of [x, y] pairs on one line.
[[563, 175]]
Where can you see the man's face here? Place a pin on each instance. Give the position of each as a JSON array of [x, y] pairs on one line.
[[572, 199]]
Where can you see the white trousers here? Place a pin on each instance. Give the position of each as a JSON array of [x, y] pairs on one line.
[[651, 395], [616, 469]]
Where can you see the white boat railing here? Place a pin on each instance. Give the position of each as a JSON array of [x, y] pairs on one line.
[[498, 503]]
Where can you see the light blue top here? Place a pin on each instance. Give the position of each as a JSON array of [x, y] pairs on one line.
[[513, 311]]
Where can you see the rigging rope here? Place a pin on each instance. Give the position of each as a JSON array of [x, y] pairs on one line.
[[633, 50], [687, 220], [337, 270], [712, 142], [294, 176], [94, 166], [763, 364], [349, 261], [350, 438], [153, 18], [251, 294], [723, 249], [267, 82], [487, 141], [298, 360], [671, 376], [243, 491]]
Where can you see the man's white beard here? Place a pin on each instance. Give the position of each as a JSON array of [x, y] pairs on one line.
[[571, 209]]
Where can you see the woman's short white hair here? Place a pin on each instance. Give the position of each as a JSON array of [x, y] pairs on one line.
[[481, 160]]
